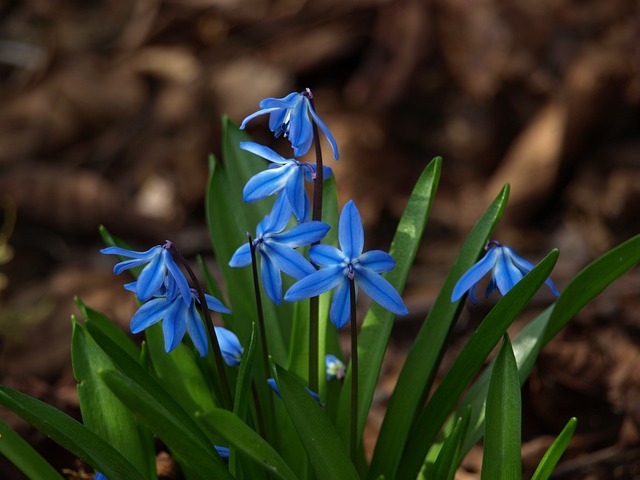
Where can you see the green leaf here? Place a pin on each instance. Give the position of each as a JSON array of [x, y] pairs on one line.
[[324, 448], [424, 357], [203, 460], [585, 286], [446, 464], [102, 412], [70, 435], [24, 457], [376, 328], [467, 364], [252, 445], [243, 385], [555, 451], [502, 458]]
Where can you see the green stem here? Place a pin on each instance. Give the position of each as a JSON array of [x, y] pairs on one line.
[[206, 317], [256, 287], [354, 372]]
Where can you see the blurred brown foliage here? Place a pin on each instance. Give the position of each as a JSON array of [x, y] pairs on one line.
[[108, 111]]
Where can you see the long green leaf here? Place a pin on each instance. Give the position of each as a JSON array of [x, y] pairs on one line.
[[324, 448], [24, 457], [445, 466], [70, 435], [502, 458], [467, 364], [102, 412], [555, 451], [585, 286], [203, 461], [422, 362], [376, 328], [246, 440]]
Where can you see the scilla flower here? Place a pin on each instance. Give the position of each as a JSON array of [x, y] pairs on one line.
[[340, 266], [152, 278], [229, 346], [283, 175], [507, 268], [290, 116], [276, 248], [178, 317], [335, 367]]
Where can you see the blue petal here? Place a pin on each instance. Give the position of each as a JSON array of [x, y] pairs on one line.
[[256, 114], [223, 452], [506, 274], [123, 252], [327, 133], [526, 266], [350, 231], [300, 128], [380, 290], [303, 234], [151, 278], [316, 283], [284, 102], [174, 325], [327, 172], [340, 311], [229, 346], [177, 275], [127, 264], [266, 183], [242, 256], [276, 121], [197, 331], [264, 152], [149, 314], [216, 305], [377, 260], [296, 194], [271, 279], [474, 274], [288, 260], [325, 255], [274, 386], [278, 217]]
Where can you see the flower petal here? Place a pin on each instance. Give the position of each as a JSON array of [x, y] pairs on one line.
[[377, 260], [525, 266], [266, 183], [197, 331], [264, 152], [340, 311], [316, 283], [505, 272], [177, 275], [242, 256], [151, 278], [127, 264], [327, 133], [279, 216], [174, 325], [300, 128], [303, 234], [380, 290], [326, 255], [474, 274], [256, 114], [284, 102], [123, 252], [350, 231], [271, 279], [229, 346], [149, 314], [216, 305], [287, 259], [294, 188]]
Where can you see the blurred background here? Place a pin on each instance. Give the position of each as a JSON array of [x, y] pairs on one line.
[[108, 111]]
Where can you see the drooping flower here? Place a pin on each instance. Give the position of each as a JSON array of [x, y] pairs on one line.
[[274, 386], [178, 317], [276, 248], [507, 268], [335, 367], [152, 277], [291, 116], [283, 175], [340, 266], [229, 346]]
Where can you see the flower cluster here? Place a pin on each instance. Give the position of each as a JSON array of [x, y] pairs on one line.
[[166, 296]]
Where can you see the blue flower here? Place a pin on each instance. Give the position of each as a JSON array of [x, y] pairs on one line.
[[152, 278], [343, 265], [274, 386], [283, 175], [100, 476], [223, 452], [507, 268], [277, 249], [335, 367], [178, 316], [229, 346], [290, 116]]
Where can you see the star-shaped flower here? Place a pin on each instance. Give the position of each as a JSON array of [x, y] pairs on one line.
[[335, 367], [276, 248], [152, 278], [340, 266], [291, 116], [283, 175], [178, 317], [507, 268]]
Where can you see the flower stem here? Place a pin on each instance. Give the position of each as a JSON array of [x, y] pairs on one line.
[[206, 317], [314, 324], [256, 287], [354, 372]]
